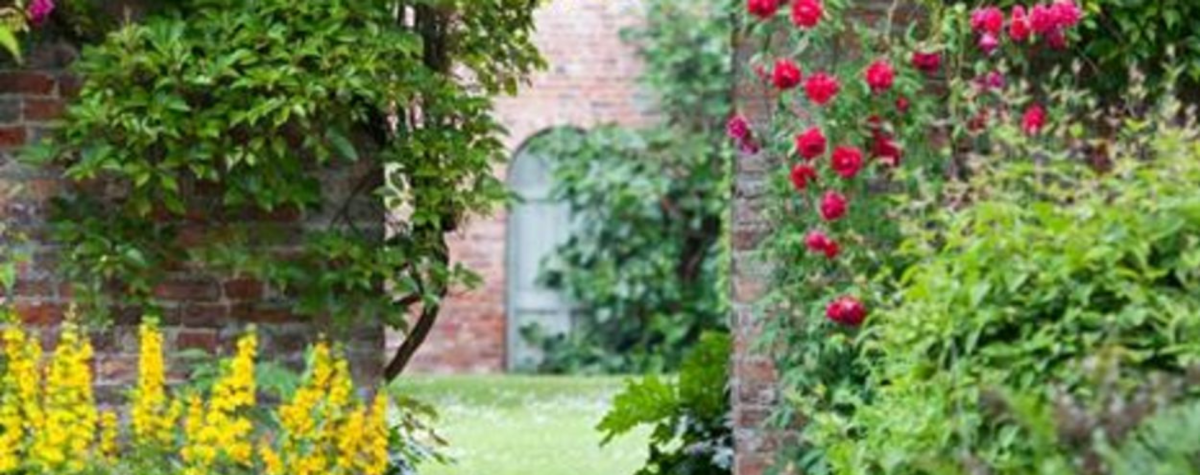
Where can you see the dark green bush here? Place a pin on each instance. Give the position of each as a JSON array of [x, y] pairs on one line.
[[692, 432], [643, 258]]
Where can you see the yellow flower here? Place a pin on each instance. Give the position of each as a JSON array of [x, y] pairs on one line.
[[223, 427], [70, 413], [108, 435], [20, 394], [153, 415], [376, 442]]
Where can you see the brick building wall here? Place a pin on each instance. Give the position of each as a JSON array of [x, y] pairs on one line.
[[591, 80], [201, 310]]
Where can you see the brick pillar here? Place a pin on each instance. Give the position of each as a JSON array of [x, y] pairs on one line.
[[202, 310]]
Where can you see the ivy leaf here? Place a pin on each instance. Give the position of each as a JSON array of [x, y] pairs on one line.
[[342, 144]]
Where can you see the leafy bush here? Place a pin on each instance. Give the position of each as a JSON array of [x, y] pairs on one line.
[[643, 258], [228, 112], [1054, 271], [50, 424], [692, 432]]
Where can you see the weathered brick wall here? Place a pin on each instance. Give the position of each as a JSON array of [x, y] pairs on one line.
[[592, 79], [202, 310]]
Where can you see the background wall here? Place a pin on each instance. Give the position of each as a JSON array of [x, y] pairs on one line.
[[592, 79]]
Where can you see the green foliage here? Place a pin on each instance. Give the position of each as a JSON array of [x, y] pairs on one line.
[[692, 434], [1167, 444], [232, 113], [1053, 270], [643, 261]]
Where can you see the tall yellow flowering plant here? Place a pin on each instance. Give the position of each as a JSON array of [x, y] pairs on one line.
[[49, 422]]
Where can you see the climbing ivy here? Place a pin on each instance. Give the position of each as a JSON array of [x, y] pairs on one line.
[[231, 113]]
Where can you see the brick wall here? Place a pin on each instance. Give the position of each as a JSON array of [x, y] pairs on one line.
[[202, 310], [592, 79]]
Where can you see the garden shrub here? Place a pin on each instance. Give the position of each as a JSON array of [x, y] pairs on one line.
[[643, 259], [692, 433], [50, 423], [224, 111]]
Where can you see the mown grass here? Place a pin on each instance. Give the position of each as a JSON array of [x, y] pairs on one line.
[[525, 425]]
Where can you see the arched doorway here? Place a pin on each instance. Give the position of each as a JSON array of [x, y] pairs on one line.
[[537, 224]]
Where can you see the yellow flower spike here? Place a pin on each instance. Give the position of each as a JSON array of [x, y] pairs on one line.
[[20, 395], [150, 413], [377, 437], [223, 427], [70, 417], [108, 435], [272, 463]]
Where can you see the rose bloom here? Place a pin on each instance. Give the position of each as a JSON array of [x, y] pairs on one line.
[[880, 76], [987, 20], [1018, 27], [928, 63], [738, 128], [1043, 19], [846, 162], [821, 88], [988, 43], [817, 241], [801, 175], [763, 9], [39, 10], [811, 144], [1066, 13], [786, 74], [886, 150], [807, 13], [833, 206], [902, 104], [846, 311], [1034, 120]]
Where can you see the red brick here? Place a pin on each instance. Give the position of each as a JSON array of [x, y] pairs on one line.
[[248, 312], [197, 339], [43, 110], [69, 86], [243, 289], [26, 82], [204, 315], [40, 313], [188, 290], [11, 137]]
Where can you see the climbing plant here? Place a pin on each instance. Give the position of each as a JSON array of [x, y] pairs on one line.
[[643, 260], [236, 113]]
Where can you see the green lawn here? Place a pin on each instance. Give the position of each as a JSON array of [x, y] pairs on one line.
[[525, 425]]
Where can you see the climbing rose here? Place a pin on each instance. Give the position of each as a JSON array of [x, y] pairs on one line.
[[991, 80], [39, 10], [886, 150], [1043, 19], [880, 76], [1066, 13], [821, 88], [928, 63], [1057, 39], [807, 13], [817, 241], [988, 43], [846, 311], [846, 162], [987, 20], [763, 9], [833, 206], [1034, 120], [738, 128], [801, 175], [1018, 26], [811, 143], [786, 74], [902, 104]]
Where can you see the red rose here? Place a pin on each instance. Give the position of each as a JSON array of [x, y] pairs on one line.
[[833, 206], [880, 76], [902, 104], [886, 150], [846, 162], [979, 121], [987, 20], [988, 43], [928, 63], [1057, 39], [807, 13], [1043, 19], [811, 144], [1066, 13], [821, 88], [763, 9], [1034, 120], [817, 241], [846, 311], [1018, 27], [786, 74], [738, 128], [801, 175]]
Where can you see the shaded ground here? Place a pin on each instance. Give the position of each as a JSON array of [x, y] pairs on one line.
[[525, 425]]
